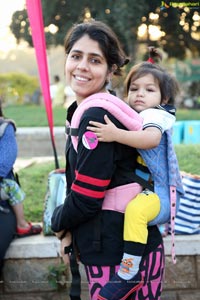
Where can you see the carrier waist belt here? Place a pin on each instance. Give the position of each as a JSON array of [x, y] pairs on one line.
[[116, 199]]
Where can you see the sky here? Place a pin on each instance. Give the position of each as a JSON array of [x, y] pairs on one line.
[[8, 7]]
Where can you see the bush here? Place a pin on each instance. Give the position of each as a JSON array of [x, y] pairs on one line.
[[16, 87]]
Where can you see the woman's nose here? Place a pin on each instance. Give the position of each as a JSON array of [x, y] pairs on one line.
[[83, 64]]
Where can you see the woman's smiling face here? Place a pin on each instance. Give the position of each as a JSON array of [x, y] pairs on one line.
[[86, 68]]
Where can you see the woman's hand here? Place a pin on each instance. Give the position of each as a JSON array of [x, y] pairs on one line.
[[105, 132], [65, 242], [60, 234]]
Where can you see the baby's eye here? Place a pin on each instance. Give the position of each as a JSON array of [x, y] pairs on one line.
[[133, 89]]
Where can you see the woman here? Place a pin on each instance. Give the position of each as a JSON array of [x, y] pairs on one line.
[[12, 220], [93, 56]]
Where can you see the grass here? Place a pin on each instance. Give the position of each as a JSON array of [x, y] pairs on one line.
[[34, 179], [188, 158], [188, 114], [35, 115]]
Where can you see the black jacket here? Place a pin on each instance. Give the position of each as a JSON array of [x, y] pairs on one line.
[[98, 233]]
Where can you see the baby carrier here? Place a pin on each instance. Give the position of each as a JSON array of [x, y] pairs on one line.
[[132, 121], [166, 178]]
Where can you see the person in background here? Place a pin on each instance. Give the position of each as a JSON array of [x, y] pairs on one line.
[[151, 91], [12, 220], [94, 55], [57, 92], [69, 96]]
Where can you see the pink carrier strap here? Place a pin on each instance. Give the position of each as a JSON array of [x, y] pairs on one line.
[[173, 214], [117, 198], [118, 108]]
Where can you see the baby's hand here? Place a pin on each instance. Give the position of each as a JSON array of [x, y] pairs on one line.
[[105, 132]]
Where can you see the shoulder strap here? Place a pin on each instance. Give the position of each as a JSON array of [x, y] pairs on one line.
[[75, 289], [175, 185], [118, 108], [3, 125], [3, 128]]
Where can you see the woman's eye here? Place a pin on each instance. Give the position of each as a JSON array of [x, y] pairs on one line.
[[75, 56], [95, 61]]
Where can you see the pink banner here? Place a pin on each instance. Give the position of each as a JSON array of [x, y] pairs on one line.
[[34, 10]]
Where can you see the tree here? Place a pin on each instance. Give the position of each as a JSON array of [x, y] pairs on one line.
[[20, 27], [178, 25], [124, 16], [178, 37]]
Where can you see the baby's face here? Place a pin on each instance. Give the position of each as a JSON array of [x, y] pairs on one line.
[[144, 92]]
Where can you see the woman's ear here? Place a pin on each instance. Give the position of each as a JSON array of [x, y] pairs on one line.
[[110, 73], [114, 68]]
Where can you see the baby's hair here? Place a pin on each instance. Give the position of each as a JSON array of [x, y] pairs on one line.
[[155, 55], [168, 84]]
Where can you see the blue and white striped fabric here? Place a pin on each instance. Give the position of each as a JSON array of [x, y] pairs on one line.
[[187, 220]]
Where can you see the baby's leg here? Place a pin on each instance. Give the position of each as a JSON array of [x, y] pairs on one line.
[[141, 210]]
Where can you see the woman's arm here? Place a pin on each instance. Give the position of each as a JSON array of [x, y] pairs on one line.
[[8, 146], [143, 139], [91, 180]]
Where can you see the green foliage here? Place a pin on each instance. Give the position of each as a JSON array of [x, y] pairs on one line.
[[188, 157], [33, 180], [174, 46], [14, 87], [20, 26], [57, 276], [124, 16], [188, 114]]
